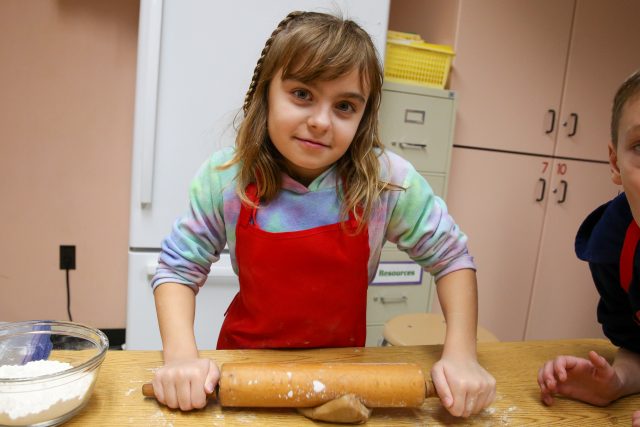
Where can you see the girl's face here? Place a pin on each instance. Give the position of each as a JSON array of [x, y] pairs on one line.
[[625, 159], [312, 125]]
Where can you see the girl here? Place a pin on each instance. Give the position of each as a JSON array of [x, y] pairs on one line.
[[304, 202]]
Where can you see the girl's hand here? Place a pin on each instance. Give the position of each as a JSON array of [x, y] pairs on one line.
[[636, 419], [593, 381], [465, 387], [184, 383]]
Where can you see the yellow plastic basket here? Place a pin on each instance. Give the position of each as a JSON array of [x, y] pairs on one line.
[[403, 36], [413, 61]]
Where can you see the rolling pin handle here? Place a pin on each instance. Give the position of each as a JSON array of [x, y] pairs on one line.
[[147, 390], [430, 390]]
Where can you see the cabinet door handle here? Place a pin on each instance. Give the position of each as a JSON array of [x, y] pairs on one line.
[[395, 300], [544, 187], [565, 185], [553, 121], [574, 116], [410, 145]]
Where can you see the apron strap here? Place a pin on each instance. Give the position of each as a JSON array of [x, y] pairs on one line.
[[248, 213], [627, 255], [352, 222]]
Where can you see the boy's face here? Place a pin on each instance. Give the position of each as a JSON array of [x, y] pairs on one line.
[[625, 159]]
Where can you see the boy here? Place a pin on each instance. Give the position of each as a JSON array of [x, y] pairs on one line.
[[608, 240]]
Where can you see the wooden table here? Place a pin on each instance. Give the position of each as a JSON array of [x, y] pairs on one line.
[[117, 398]]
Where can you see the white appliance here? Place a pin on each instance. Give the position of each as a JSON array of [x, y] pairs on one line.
[[195, 62]]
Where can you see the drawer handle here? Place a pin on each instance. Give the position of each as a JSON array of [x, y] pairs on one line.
[[396, 300], [553, 121], [414, 116], [410, 145], [564, 191], [544, 186], [574, 116]]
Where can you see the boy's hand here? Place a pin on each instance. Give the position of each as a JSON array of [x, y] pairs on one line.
[[184, 383], [464, 387], [593, 381], [636, 419]]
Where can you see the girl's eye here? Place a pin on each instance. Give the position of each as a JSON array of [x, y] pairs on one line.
[[346, 107], [301, 94]]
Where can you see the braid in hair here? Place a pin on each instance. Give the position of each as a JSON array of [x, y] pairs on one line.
[[256, 72]]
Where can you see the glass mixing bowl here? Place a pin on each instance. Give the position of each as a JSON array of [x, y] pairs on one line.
[[47, 370]]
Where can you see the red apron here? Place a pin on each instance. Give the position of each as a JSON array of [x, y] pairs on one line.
[[298, 289]]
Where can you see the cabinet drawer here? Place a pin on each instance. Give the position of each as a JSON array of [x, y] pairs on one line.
[[374, 335], [387, 301], [418, 128]]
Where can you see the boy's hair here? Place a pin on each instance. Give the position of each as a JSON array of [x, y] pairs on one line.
[[628, 89], [311, 46]]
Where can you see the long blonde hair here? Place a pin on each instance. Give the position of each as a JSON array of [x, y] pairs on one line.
[[310, 46]]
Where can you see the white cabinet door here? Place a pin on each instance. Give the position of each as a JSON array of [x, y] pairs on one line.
[[604, 51], [497, 199], [509, 71], [564, 298]]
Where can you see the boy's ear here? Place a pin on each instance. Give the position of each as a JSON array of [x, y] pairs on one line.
[[613, 162]]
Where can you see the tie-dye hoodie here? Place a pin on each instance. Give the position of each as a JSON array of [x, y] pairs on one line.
[[415, 219]]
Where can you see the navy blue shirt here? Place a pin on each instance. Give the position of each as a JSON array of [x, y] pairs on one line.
[[599, 241]]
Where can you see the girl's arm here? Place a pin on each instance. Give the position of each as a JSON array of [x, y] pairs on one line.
[[185, 378], [464, 386], [421, 226], [175, 307]]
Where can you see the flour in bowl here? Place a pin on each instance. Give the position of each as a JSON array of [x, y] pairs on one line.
[[31, 403]]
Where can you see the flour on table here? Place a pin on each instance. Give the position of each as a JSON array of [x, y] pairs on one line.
[[246, 419], [489, 411], [159, 419], [41, 401], [505, 416]]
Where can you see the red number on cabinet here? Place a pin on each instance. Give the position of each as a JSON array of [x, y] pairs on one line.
[[562, 168], [545, 165]]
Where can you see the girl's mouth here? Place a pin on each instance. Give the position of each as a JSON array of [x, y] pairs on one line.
[[311, 143]]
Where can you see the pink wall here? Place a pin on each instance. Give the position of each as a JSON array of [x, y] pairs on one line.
[[67, 84]]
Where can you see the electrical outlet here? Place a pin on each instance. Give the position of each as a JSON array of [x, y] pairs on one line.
[[67, 257]]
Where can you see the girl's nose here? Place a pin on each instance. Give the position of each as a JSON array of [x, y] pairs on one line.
[[320, 119]]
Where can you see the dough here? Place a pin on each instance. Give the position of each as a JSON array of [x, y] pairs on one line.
[[345, 409]]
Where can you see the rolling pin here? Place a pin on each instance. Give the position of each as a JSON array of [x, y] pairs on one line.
[[305, 385]]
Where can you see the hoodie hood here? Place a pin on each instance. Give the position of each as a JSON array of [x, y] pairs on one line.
[[601, 235]]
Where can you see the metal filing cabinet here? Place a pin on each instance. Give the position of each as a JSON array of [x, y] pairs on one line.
[[417, 123]]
